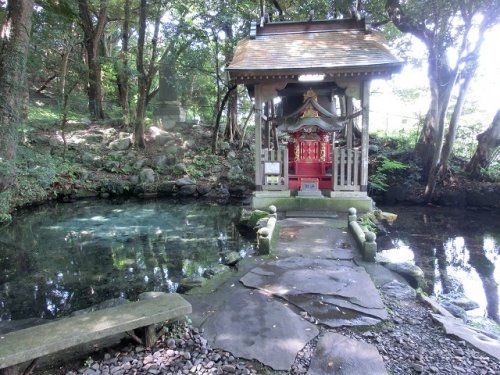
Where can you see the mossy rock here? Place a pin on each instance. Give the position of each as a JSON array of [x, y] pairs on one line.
[[231, 258], [190, 282], [215, 270], [249, 219]]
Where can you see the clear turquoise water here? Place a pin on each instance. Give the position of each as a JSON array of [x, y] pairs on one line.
[[62, 258]]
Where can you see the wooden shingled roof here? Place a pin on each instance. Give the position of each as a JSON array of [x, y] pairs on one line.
[[337, 48]]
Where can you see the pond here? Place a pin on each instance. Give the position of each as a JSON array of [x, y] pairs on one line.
[[458, 250], [58, 259]]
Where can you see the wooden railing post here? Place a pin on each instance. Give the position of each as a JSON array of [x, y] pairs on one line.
[[365, 105], [258, 138]]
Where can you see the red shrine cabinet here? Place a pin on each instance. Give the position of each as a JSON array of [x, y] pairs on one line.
[[309, 132]]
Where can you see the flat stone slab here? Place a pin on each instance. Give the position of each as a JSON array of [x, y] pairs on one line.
[[257, 327], [30, 343], [316, 237], [330, 290], [486, 342], [340, 355]]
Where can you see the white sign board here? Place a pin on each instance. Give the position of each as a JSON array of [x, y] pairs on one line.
[[272, 168]]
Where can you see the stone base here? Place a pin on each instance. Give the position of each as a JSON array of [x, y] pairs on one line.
[[285, 202], [310, 194], [348, 194], [272, 194], [168, 114]]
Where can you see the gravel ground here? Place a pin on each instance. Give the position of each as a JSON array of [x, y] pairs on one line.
[[189, 354], [410, 343]]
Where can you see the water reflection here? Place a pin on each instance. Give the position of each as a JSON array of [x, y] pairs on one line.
[[59, 259], [457, 249]]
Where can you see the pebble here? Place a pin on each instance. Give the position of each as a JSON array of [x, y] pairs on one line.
[[418, 367], [196, 357]]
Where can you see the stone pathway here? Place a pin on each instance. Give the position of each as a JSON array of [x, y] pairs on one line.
[[266, 311]]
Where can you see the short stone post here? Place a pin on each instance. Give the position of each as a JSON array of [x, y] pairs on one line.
[[264, 241], [272, 211], [352, 215], [370, 247]]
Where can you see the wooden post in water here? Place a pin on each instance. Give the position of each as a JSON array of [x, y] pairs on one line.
[[365, 106]]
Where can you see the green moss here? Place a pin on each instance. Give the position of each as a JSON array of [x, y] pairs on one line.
[[5, 207], [275, 238], [369, 221]]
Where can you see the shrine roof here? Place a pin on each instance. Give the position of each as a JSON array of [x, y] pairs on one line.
[[288, 49]]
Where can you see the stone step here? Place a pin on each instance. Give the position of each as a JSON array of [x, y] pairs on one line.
[[340, 355], [314, 214]]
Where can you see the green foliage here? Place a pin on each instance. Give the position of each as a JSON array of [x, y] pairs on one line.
[[378, 180], [369, 221], [5, 206], [202, 164], [493, 171]]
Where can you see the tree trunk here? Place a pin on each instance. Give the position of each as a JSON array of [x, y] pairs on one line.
[[145, 76], [93, 35], [215, 132], [123, 70], [487, 148], [232, 129], [14, 46], [454, 121]]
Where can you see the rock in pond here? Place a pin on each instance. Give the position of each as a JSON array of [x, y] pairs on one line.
[[166, 188], [231, 258], [460, 300], [215, 270], [395, 289], [249, 219], [184, 181], [187, 190], [410, 272], [189, 283]]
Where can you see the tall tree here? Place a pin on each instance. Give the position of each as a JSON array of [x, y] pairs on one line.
[[145, 73], [93, 32], [14, 45], [123, 72], [443, 25]]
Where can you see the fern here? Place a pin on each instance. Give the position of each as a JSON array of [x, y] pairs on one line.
[[385, 166]]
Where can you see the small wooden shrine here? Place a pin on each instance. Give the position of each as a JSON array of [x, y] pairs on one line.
[[311, 82]]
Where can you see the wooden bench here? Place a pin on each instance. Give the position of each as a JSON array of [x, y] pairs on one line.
[[32, 343]]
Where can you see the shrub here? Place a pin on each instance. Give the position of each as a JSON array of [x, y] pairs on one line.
[[384, 168]]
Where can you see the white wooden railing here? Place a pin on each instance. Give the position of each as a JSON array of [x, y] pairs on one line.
[[346, 169], [279, 179]]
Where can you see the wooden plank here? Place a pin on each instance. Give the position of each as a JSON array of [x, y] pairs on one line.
[[356, 168], [349, 167], [335, 168], [342, 167], [31, 343], [349, 109], [258, 137], [365, 105], [285, 166]]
